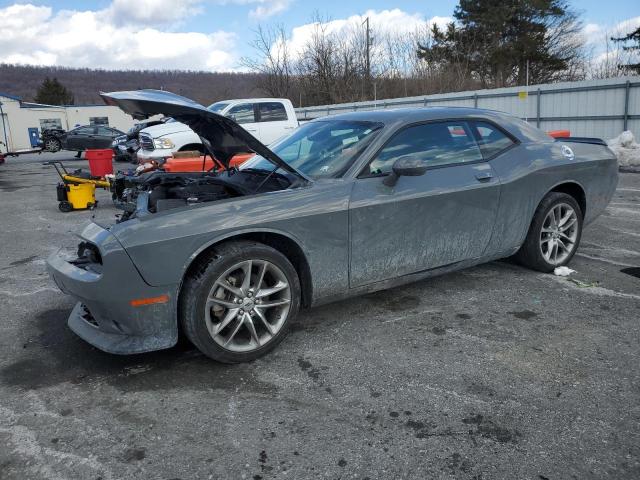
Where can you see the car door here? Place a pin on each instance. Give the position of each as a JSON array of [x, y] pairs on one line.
[[244, 114], [103, 138], [442, 217], [79, 138], [273, 122]]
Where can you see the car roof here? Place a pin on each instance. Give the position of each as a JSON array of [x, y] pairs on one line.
[[522, 130], [266, 99]]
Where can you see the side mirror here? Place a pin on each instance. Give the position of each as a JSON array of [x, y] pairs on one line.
[[405, 166]]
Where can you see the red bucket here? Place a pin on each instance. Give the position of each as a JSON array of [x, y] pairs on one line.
[[99, 162]]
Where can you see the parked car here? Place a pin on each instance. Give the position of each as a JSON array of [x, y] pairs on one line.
[[125, 147], [50, 139], [80, 138], [344, 205], [267, 119]]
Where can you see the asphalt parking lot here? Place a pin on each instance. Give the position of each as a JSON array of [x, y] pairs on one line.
[[496, 372]]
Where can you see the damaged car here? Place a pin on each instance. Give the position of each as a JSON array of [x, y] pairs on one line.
[[344, 205]]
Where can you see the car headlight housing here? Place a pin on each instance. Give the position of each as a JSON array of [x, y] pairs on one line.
[[163, 143]]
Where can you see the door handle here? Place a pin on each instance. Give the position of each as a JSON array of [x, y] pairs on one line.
[[484, 176]]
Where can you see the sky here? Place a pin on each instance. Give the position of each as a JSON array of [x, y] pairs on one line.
[[214, 35]]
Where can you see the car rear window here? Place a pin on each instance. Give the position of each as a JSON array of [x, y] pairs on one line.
[[490, 138], [105, 131], [272, 112]]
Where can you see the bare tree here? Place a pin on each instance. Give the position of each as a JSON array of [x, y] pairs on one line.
[[274, 62]]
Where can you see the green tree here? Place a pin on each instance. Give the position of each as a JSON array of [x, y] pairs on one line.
[[494, 39], [52, 92], [631, 37]]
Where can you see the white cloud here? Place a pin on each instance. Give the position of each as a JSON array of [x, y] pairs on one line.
[[384, 22], [263, 8], [591, 31], [595, 33], [267, 8], [151, 12], [99, 39], [605, 54], [627, 26]]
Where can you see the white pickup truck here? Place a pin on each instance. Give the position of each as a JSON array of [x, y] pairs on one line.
[[267, 119]]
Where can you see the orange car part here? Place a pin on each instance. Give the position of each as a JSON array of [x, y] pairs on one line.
[[140, 302], [194, 164], [559, 133]]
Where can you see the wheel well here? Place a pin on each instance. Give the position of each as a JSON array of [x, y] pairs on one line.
[[191, 146], [576, 192], [281, 243]]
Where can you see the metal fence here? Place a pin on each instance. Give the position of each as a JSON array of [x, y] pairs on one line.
[[591, 108]]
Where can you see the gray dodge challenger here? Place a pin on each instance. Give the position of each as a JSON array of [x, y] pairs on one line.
[[344, 205]]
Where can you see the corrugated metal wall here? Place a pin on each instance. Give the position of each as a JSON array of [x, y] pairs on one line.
[[591, 108]]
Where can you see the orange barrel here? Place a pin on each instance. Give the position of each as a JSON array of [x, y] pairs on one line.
[[100, 162]]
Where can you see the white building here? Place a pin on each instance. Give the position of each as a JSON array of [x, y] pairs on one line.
[[22, 122]]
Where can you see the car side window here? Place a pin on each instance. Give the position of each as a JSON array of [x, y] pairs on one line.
[[104, 131], [84, 131], [490, 138], [438, 143], [272, 112], [242, 113]]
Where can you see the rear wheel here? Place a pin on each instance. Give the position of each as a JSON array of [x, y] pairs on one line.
[[65, 206], [554, 234], [239, 303]]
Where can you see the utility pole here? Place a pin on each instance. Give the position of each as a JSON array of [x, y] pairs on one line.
[[526, 107], [368, 54]]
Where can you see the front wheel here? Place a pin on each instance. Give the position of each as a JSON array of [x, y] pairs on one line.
[[52, 145], [239, 302], [554, 234]]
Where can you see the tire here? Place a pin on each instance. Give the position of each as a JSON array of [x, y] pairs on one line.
[[537, 250], [52, 145], [203, 314], [65, 207]]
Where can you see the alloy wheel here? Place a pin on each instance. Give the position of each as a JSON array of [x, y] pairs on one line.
[[559, 233], [247, 305], [51, 146]]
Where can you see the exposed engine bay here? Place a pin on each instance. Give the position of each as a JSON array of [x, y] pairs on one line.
[[158, 191]]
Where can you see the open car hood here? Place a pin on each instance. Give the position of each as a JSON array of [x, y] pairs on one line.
[[222, 136]]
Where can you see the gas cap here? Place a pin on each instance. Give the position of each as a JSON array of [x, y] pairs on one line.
[[567, 152]]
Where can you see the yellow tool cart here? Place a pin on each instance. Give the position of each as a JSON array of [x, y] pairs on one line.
[[77, 191]]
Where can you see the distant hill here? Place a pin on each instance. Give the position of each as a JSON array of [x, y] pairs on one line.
[[84, 83]]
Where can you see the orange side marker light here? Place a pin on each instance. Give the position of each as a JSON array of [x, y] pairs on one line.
[[139, 302]]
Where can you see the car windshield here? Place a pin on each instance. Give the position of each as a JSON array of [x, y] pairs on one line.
[[321, 149], [217, 107]]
